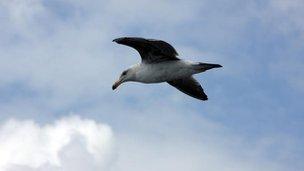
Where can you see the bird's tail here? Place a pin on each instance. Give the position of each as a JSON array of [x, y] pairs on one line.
[[206, 66]]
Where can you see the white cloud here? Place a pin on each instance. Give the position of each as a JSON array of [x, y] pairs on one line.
[[22, 12], [72, 60], [178, 139], [175, 142], [69, 144]]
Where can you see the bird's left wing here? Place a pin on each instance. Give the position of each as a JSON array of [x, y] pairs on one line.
[[150, 50], [189, 86]]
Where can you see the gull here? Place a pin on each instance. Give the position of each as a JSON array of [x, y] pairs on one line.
[[159, 63]]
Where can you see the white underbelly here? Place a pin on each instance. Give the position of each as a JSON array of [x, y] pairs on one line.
[[165, 71]]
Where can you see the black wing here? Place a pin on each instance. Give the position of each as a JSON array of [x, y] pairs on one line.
[[189, 86], [150, 50]]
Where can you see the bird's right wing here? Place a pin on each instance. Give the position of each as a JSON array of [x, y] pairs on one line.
[[150, 50], [189, 86]]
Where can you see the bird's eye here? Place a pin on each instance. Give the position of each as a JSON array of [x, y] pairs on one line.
[[124, 73]]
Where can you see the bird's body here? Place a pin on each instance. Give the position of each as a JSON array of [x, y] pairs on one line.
[[160, 64], [163, 71]]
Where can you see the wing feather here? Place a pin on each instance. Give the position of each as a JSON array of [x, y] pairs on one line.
[[150, 50], [190, 87]]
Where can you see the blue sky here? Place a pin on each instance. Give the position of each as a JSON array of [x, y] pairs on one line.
[[58, 64]]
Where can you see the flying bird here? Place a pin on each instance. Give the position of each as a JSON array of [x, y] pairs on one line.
[[159, 63]]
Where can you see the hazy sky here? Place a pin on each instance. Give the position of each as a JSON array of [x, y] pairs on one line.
[[58, 63]]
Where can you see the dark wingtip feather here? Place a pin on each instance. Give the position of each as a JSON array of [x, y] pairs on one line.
[[215, 65], [203, 97], [124, 39], [117, 40]]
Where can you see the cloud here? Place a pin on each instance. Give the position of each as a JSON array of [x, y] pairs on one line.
[[57, 57], [63, 49], [70, 143], [146, 143], [177, 138], [22, 13]]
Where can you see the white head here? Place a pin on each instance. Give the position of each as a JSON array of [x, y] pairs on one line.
[[127, 75]]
